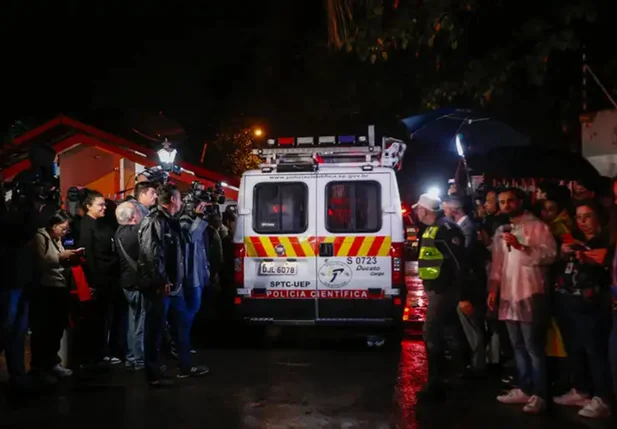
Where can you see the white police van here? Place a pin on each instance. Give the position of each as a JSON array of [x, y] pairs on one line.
[[319, 237]]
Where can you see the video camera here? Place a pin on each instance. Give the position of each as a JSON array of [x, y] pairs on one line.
[[35, 191], [198, 193], [160, 175]]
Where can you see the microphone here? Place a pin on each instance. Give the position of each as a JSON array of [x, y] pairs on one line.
[[508, 229]]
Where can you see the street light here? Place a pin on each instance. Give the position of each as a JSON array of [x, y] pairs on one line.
[[166, 154], [258, 132]]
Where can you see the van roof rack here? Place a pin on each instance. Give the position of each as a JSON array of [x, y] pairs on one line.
[[313, 158]]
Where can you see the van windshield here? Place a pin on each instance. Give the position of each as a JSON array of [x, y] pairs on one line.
[[280, 208], [353, 207]]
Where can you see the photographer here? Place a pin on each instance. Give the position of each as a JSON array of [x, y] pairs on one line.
[[196, 277], [34, 199], [19, 224], [215, 248], [161, 276], [145, 197], [228, 290]]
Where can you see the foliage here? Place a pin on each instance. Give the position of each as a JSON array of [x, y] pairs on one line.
[[476, 47], [231, 152]]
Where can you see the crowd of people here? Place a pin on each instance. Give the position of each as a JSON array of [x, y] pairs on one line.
[[532, 281], [129, 279], [539, 291]]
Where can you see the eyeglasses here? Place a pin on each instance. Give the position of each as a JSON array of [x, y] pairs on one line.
[[63, 229]]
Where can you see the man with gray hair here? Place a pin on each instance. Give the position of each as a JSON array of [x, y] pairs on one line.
[[454, 209], [127, 246], [473, 322]]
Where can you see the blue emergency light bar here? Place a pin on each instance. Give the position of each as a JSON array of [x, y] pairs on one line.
[[346, 139]]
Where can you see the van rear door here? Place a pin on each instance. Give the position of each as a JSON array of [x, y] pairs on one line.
[[280, 263], [354, 238]]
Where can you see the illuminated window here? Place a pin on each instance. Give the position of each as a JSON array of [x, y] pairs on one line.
[[280, 208], [353, 207]]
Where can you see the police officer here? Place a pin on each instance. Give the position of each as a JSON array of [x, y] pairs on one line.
[[442, 269]]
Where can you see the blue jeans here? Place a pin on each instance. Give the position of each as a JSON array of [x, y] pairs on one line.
[[529, 343], [135, 331], [157, 307], [14, 306], [192, 296]]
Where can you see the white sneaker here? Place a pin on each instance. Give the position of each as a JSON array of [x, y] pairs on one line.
[[514, 396], [595, 408], [111, 360], [572, 398], [61, 371], [536, 405]]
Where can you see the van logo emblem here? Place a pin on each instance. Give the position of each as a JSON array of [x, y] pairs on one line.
[[335, 275], [280, 250]]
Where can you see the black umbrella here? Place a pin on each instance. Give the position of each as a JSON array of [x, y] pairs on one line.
[[478, 132], [533, 162]]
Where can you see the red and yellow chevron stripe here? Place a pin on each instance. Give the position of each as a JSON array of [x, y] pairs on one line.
[[301, 247], [263, 246], [359, 245]]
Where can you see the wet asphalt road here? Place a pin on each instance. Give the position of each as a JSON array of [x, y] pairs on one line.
[[301, 381]]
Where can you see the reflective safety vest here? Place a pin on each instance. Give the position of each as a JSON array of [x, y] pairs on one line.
[[430, 259]]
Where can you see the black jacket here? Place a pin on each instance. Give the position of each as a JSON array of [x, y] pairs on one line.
[[161, 252], [583, 279], [97, 237], [127, 235], [453, 278]]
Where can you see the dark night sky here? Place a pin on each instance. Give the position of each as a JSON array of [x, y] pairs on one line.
[[202, 64], [196, 64]]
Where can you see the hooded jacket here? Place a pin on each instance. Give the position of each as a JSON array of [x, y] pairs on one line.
[[196, 257]]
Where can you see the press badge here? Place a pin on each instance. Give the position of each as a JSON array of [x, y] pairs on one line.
[[569, 267]]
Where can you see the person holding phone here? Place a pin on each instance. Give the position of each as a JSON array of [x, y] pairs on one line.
[[50, 303], [582, 308]]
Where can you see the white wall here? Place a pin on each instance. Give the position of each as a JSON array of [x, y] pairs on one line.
[[599, 133], [605, 164]]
